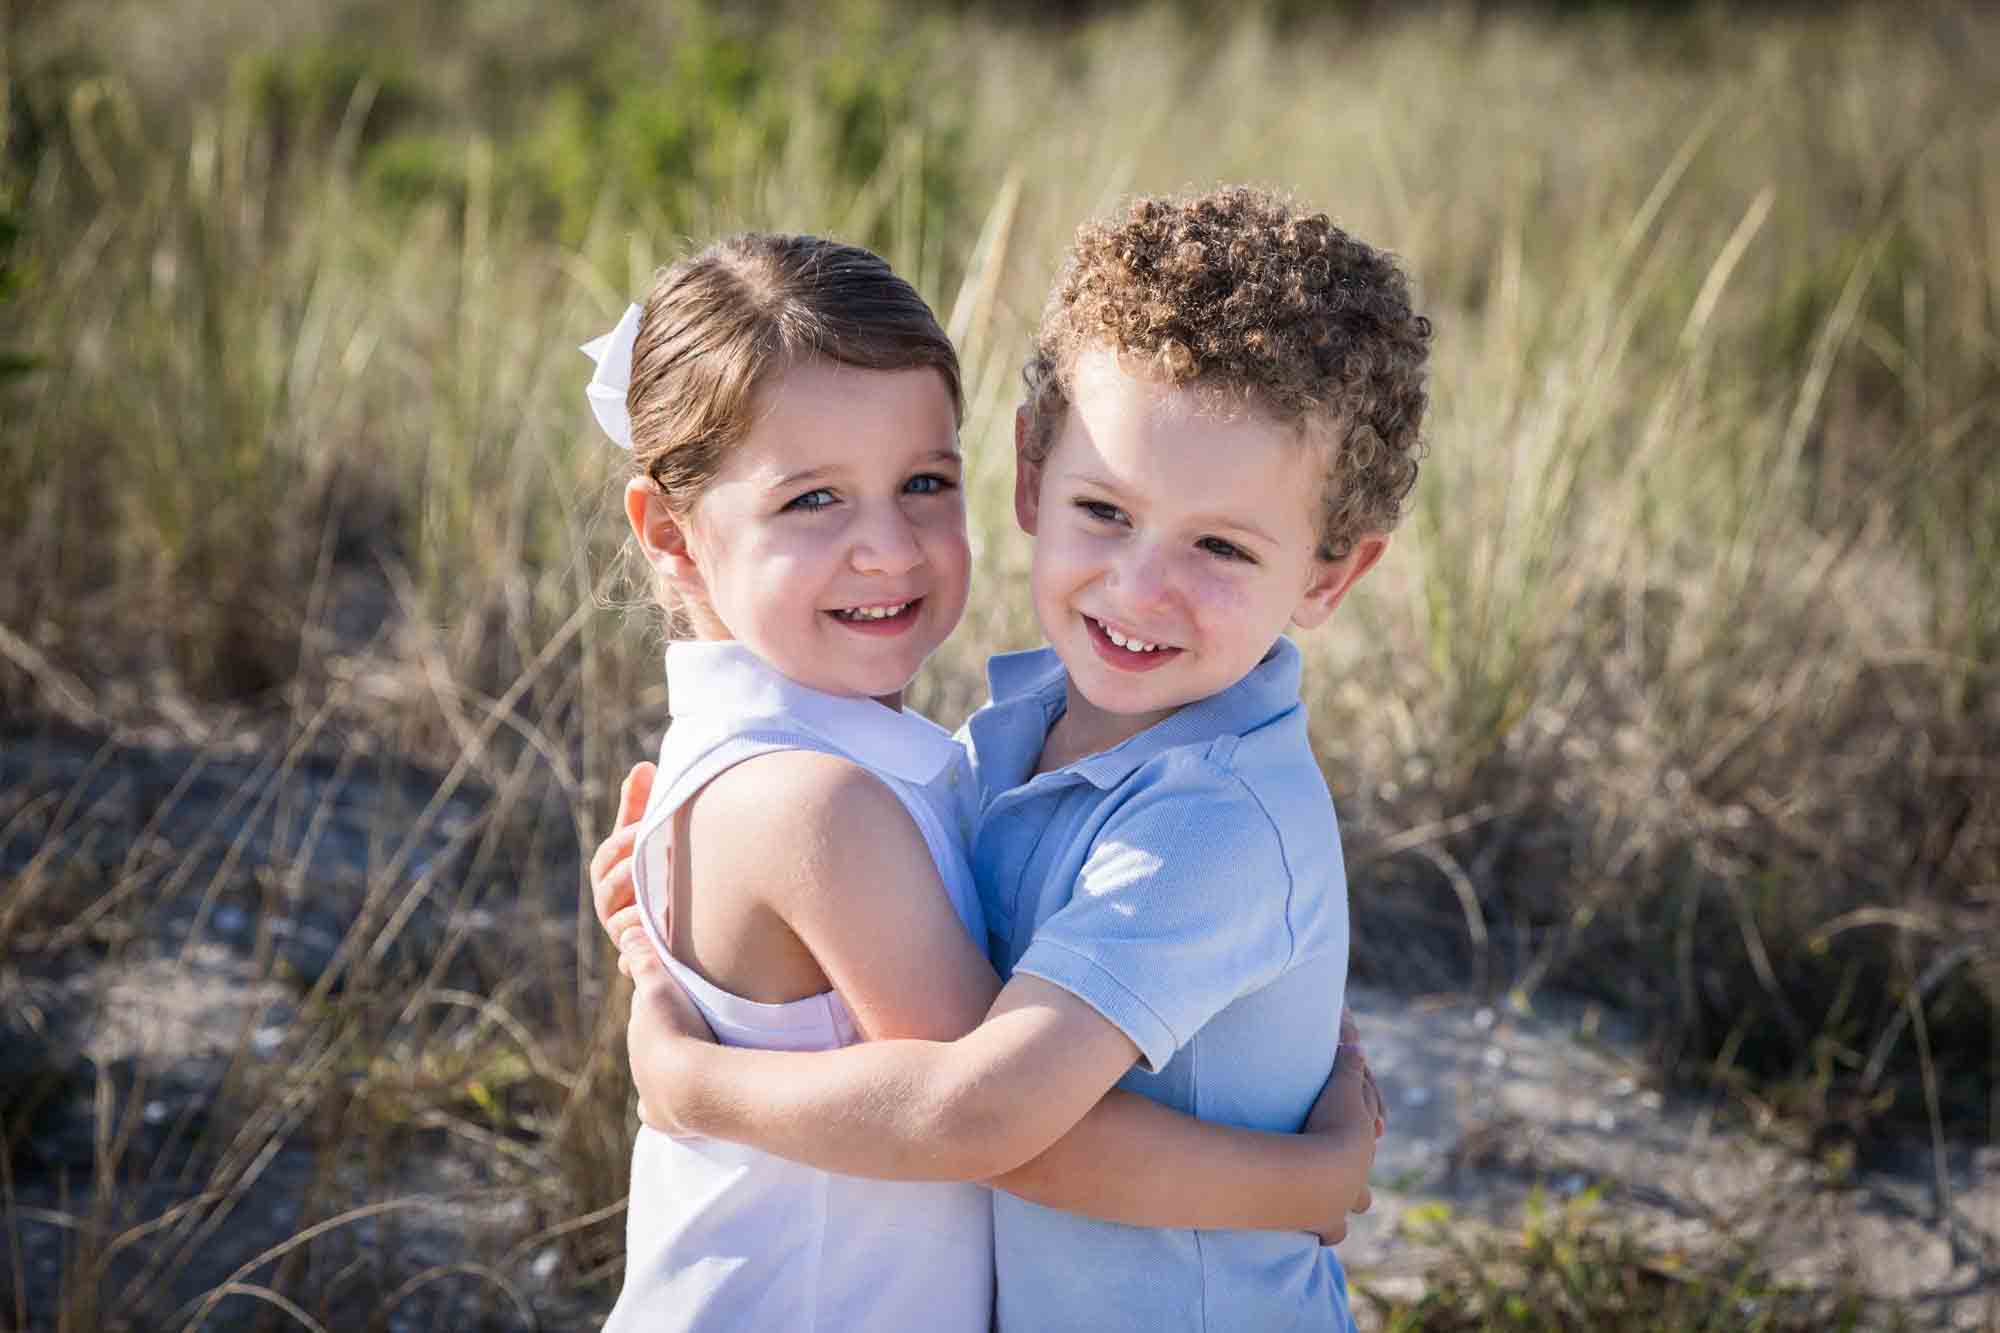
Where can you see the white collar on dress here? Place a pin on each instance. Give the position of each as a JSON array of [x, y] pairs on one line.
[[717, 680]]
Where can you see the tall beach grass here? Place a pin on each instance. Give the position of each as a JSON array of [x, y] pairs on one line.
[[1678, 687]]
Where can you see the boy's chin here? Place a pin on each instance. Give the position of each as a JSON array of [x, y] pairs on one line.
[[1136, 697]]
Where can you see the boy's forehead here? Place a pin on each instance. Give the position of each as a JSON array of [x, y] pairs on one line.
[[1189, 449], [1111, 396], [1106, 381]]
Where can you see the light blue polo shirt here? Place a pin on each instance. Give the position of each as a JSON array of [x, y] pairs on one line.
[[1187, 884]]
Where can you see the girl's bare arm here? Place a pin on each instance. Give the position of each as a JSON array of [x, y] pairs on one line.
[[871, 910]]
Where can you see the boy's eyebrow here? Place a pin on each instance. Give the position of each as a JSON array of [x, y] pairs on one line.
[[1218, 522], [1239, 526], [817, 473]]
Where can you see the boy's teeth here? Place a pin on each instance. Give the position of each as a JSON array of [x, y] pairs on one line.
[[876, 612], [1129, 645]]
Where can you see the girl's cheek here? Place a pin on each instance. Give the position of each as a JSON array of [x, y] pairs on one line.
[[945, 519]]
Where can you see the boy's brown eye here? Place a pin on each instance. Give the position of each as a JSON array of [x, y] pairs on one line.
[[1227, 550], [1098, 509]]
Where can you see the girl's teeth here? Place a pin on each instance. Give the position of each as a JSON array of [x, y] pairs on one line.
[[876, 612]]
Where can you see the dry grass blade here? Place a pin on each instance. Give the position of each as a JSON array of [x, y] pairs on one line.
[[201, 1308], [1468, 903], [448, 786], [264, 1294], [1933, 976], [67, 697], [492, 1012], [424, 1279]]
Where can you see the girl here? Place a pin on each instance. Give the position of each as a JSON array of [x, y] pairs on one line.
[[792, 408]]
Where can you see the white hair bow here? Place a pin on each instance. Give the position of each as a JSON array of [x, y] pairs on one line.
[[613, 378]]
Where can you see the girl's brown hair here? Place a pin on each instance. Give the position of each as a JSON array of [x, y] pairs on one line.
[[718, 324]]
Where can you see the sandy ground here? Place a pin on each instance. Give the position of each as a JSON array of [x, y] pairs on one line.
[[1486, 1103]]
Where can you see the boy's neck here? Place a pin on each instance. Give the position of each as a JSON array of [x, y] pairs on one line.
[[1085, 729]]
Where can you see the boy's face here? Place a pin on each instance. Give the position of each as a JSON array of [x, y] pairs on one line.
[[1174, 541]]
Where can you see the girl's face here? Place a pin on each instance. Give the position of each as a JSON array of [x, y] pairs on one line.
[[832, 541]]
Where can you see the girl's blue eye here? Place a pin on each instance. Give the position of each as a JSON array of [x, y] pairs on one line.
[[1226, 550], [1102, 512], [811, 502], [930, 483]]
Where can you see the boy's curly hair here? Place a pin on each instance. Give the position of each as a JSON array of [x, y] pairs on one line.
[[1238, 291]]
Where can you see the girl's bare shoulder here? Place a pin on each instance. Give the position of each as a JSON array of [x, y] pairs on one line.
[[797, 813]]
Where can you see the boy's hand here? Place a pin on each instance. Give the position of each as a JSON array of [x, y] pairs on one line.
[[662, 1015], [611, 866], [1349, 1106]]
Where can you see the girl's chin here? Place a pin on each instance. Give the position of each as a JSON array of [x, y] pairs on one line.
[[862, 683]]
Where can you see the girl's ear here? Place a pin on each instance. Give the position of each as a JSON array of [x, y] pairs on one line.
[[1332, 578], [1027, 477], [662, 535]]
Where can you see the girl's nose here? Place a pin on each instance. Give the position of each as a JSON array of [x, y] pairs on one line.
[[886, 544]]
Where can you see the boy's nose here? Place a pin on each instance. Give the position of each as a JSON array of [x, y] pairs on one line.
[[1145, 578], [886, 544]]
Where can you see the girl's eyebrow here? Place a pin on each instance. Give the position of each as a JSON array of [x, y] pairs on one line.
[[830, 469], [807, 474]]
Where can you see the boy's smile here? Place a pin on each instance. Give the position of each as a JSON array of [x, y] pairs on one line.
[[1127, 652], [1175, 538]]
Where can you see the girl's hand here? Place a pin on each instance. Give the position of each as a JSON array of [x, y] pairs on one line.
[[1349, 1106], [662, 1016], [1350, 1042], [611, 866]]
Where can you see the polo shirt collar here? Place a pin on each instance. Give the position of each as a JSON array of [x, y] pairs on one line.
[[725, 680], [1271, 689]]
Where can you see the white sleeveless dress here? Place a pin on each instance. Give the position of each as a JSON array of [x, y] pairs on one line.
[[725, 1237]]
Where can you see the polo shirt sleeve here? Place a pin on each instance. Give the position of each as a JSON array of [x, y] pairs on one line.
[[1180, 908]]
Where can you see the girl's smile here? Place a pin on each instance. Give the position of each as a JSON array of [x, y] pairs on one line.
[[832, 540], [889, 620]]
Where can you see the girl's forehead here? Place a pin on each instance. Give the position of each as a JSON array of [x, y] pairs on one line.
[[822, 415]]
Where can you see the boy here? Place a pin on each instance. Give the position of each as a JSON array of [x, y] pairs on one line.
[[1222, 422]]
